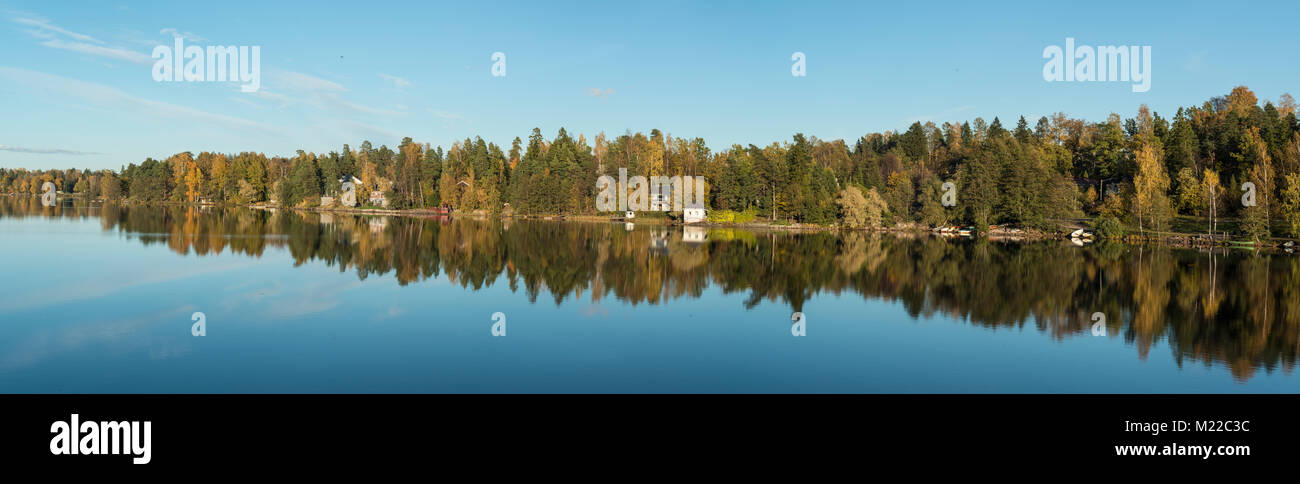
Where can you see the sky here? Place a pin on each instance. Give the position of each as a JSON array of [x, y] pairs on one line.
[[77, 86]]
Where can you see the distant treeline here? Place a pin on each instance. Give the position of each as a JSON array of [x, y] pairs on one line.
[[1139, 171]]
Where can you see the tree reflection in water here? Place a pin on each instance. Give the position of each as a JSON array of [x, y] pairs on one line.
[[1240, 309]]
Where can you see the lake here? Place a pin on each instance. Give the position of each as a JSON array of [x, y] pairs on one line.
[[103, 299]]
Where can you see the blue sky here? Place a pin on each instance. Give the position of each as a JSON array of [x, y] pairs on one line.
[[78, 90]]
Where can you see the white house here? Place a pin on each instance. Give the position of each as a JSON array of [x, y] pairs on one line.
[[693, 215]]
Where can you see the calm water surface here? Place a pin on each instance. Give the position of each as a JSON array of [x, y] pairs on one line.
[[100, 299]]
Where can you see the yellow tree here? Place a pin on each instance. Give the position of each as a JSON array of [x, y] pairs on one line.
[[1262, 172], [1210, 189], [1150, 188], [654, 156], [193, 180], [219, 172], [1241, 100], [180, 164], [1255, 218], [1291, 203], [1286, 105]]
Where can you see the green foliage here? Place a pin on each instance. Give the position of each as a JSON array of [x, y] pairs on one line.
[[1291, 204], [1188, 197], [1254, 223], [304, 184], [899, 194], [1108, 226]]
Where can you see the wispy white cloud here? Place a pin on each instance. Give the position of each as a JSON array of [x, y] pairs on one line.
[[43, 297], [270, 96], [305, 82], [184, 35], [354, 129], [114, 99], [322, 93], [446, 116], [45, 28], [46, 151], [123, 335], [101, 51], [244, 100], [397, 81], [361, 108], [56, 37], [597, 92]]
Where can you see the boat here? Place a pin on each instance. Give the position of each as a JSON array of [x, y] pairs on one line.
[[1241, 244]]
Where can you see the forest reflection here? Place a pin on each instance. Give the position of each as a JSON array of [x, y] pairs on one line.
[[1239, 309]]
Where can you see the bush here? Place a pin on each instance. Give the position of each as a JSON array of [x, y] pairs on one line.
[[1108, 226], [1254, 223], [729, 216], [861, 209], [746, 216]]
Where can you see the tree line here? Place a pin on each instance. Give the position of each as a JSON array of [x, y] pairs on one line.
[[1141, 172]]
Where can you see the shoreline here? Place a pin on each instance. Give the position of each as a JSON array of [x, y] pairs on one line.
[[994, 234]]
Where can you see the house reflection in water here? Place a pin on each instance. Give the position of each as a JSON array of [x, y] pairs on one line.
[[659, 241], [694, 235]]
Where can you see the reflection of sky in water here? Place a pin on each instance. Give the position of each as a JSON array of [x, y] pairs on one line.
[[83, 310]]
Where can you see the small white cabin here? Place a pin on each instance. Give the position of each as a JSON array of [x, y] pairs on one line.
[[693, 215]]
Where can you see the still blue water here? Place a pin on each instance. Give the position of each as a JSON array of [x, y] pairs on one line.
[[89, 307]]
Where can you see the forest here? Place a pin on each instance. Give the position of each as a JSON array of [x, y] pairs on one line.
[[1141, 173]]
